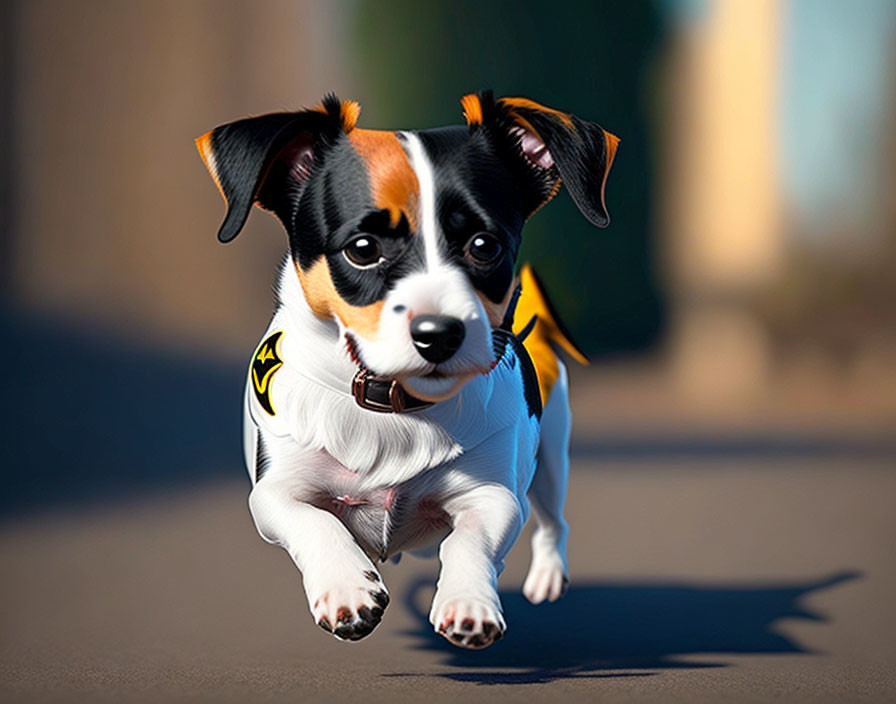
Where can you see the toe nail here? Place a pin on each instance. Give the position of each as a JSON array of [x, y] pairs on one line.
[[362, 629], [380, 598]]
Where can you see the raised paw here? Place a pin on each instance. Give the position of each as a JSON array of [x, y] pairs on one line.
[[545, 581], [351, 611], [469, 623]]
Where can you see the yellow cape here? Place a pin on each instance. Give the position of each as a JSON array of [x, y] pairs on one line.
[[547, 333]]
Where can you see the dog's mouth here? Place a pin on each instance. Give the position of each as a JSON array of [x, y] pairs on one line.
[[436, 385], [433, 385]]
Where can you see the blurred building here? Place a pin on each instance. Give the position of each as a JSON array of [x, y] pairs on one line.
[[775, 198], [721, 220], [113, 216], [751, 199]]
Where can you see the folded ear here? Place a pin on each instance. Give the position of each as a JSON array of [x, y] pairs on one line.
[[553, 145], [268, 159]]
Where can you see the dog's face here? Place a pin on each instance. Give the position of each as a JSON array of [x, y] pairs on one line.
[[408, 240]]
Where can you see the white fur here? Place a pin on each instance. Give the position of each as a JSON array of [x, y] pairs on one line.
[[429, 223], [444, 290], [547, 579]]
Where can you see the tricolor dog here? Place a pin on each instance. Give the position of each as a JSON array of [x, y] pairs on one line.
[[407, 395]]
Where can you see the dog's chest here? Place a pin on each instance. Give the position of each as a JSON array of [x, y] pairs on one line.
[[386, 519]]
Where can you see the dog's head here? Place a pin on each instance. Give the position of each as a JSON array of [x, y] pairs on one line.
[[408, 240]]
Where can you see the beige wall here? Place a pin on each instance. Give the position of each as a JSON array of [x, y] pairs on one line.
[[722, 183], [116, 215], [721, 215]]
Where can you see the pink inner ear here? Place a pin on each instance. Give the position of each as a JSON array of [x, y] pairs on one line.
[[534, 149], [299, 155]]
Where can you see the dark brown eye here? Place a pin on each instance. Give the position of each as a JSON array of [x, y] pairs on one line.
[[363, 252], [484, 248]]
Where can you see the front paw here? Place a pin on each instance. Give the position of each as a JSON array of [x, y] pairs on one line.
[[350, 606], [468, 622], [546, 580]]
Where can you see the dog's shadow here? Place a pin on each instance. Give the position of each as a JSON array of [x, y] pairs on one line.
[[602, 629]]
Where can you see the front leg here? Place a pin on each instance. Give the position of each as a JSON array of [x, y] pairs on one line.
[[345, 592], [466, 608]]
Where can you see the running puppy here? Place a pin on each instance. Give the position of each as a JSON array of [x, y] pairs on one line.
[[406, 395]]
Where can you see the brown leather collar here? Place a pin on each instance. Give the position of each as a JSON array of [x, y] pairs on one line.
[[384, 395]]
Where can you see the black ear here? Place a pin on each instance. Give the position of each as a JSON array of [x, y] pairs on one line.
[[269, 158], [553, 145]]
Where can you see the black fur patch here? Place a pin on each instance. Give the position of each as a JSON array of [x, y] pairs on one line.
[[476, 191], [483, 181], [261, 456], [245, 156], [500, 340]]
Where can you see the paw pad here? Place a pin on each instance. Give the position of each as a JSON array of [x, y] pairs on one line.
[[469, 624], [350, 613]]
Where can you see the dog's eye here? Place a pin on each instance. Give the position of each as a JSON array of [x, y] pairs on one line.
[[363, 252], [484, 248]]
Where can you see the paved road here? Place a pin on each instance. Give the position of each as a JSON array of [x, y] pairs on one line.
[[714, 579]]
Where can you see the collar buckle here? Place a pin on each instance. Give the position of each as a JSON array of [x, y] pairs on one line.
[[382, 395]]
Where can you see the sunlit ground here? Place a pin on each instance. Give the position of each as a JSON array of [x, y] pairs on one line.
[[715, 553]]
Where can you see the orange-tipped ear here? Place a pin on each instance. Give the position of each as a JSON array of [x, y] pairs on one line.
[[582, 151], [268, 159], [348, 111], [518, 105], [555, 144]]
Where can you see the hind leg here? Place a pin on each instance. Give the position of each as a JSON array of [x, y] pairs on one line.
[[548, 575]]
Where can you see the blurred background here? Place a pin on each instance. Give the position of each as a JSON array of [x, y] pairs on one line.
[[740, 305], [747, 278]]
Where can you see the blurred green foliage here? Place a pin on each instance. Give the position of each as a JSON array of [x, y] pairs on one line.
[[595, 59]]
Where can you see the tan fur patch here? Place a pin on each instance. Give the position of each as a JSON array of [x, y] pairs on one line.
[[612, 146], [496, 311], [349, 114], [555, 189], [349, 111], [325, 302], [393, 182], [204, 145], [472, 109]]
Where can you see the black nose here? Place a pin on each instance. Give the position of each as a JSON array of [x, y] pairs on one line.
[[437, 337]]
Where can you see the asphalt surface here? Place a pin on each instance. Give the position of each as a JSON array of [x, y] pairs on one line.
[[712, 578]]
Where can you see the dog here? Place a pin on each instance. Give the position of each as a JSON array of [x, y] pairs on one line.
[[407, 394]]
